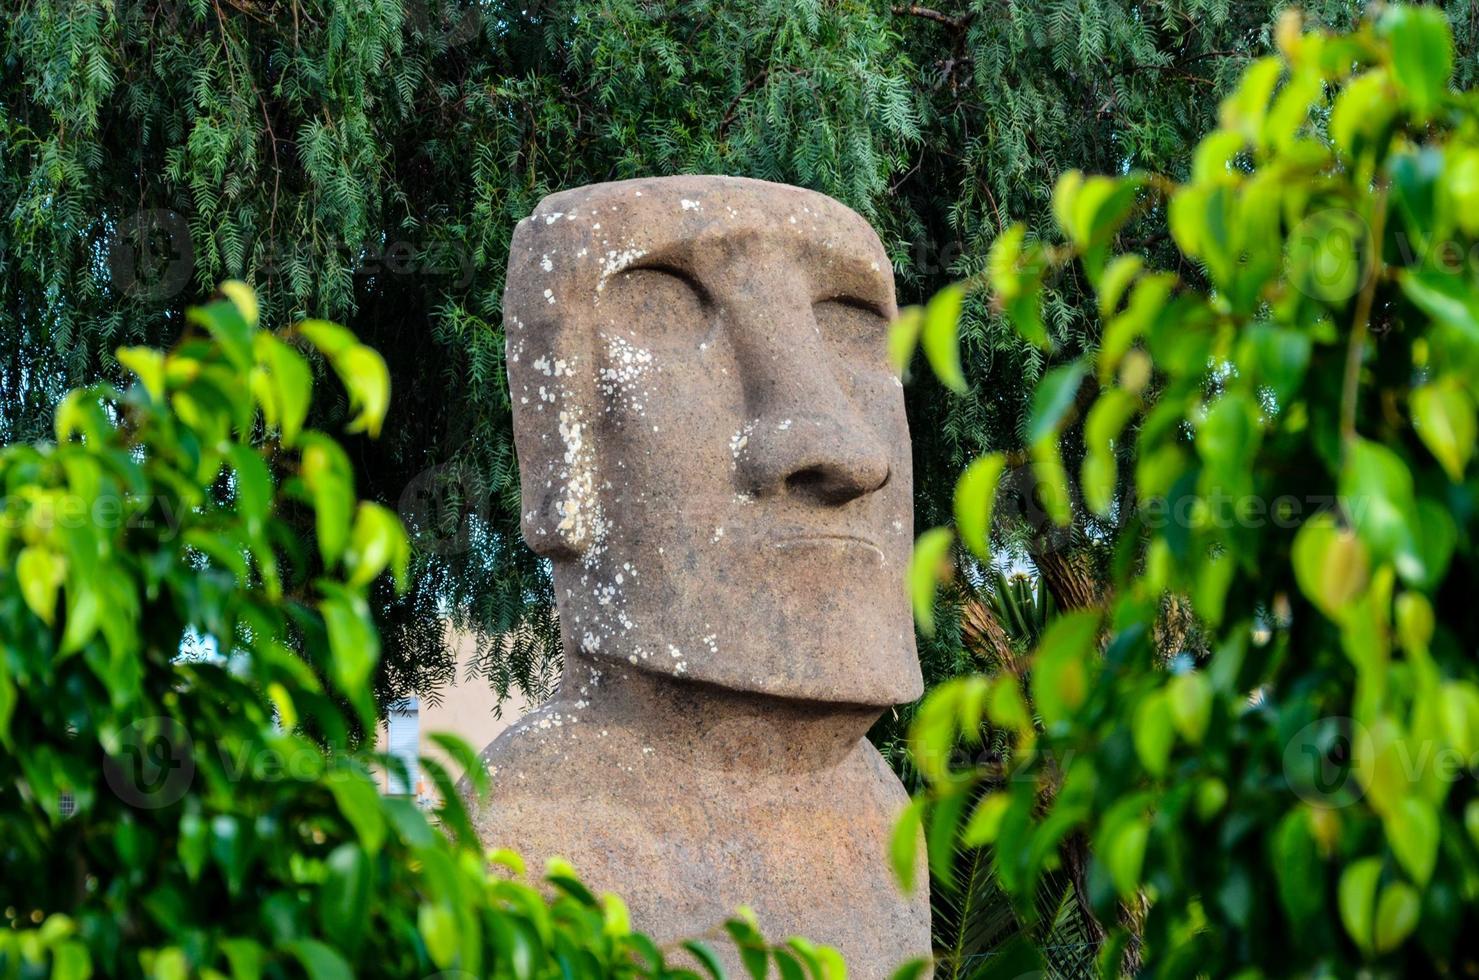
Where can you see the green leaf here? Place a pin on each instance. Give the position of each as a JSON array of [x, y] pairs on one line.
[[148, 365], [1053, 398], [8, 701], [1412, 833], [367, 378], [1397, 913], [1148, 298], [985, 822], [706, 958], [903, 337], [354, 645], [1443, 297], [1052, 480], [437, 923], [1443, 414], [40, 571], [1111, 412], [1060, 667], [1102, 206], [903, 849], [751, 948], [1327, 255], [254, 488], [71, 960], [1422, 54], [327, 475], [331, 339], [1331, 564], [912, 970], [378, 540], [928, 566], [1363, 111], [1376, 488], [1297, 867], [1123, 851], [345, 898], [1190, 698], [1152, 733], [319, 960], [283, 385], [941, 339], [616, 920], [223, 321], [1065, 198], [1117, 277], [1357, 899], [975, 496], [788, 966], [244, 298], [359, 803], [1246, 109], [465, 756]]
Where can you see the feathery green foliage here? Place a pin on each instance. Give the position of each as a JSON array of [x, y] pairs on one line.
[[366, 160]]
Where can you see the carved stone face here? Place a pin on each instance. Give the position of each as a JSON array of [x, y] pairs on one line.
[[712, 443]]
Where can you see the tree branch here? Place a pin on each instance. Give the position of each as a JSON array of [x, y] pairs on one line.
[[957, 22]]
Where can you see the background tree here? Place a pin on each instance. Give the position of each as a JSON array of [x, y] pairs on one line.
[[366, 160]]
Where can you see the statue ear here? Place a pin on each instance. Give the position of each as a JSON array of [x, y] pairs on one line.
[[552, 392], [550, 528]]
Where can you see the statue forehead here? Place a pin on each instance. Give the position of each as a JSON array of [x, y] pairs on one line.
[[566, 252]]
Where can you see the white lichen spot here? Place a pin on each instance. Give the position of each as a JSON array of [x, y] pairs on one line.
[[741, 439], [550, 219], [549, 296], [617, 261], [546, 264], [689, 205]]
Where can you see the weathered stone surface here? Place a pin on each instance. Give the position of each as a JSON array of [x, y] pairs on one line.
[[715, 457]]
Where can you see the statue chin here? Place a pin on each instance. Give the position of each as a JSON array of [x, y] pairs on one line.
[[892, 678]]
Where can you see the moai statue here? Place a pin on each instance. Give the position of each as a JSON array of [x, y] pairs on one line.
[[716, 461]]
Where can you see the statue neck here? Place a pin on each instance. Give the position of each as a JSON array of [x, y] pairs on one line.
[[709, 726]]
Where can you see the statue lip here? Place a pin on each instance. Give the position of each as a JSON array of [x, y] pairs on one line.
[[800, 539]]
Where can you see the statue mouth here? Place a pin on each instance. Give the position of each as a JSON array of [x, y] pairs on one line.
[[841, 540]]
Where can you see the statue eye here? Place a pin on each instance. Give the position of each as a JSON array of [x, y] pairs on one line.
[[662, 305], [855, 328]]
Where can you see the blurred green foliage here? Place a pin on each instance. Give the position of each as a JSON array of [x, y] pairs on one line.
[[182, 789], [1280, 435]]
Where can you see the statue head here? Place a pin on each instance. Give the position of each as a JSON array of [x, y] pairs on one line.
[[712, 442]]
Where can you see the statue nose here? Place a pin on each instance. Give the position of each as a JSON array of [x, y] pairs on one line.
[[807, 438], [822, 459]]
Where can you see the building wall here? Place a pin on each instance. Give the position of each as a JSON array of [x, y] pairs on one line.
[[466, 710]]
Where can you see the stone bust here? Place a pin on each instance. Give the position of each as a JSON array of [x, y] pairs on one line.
[[714, 457]]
